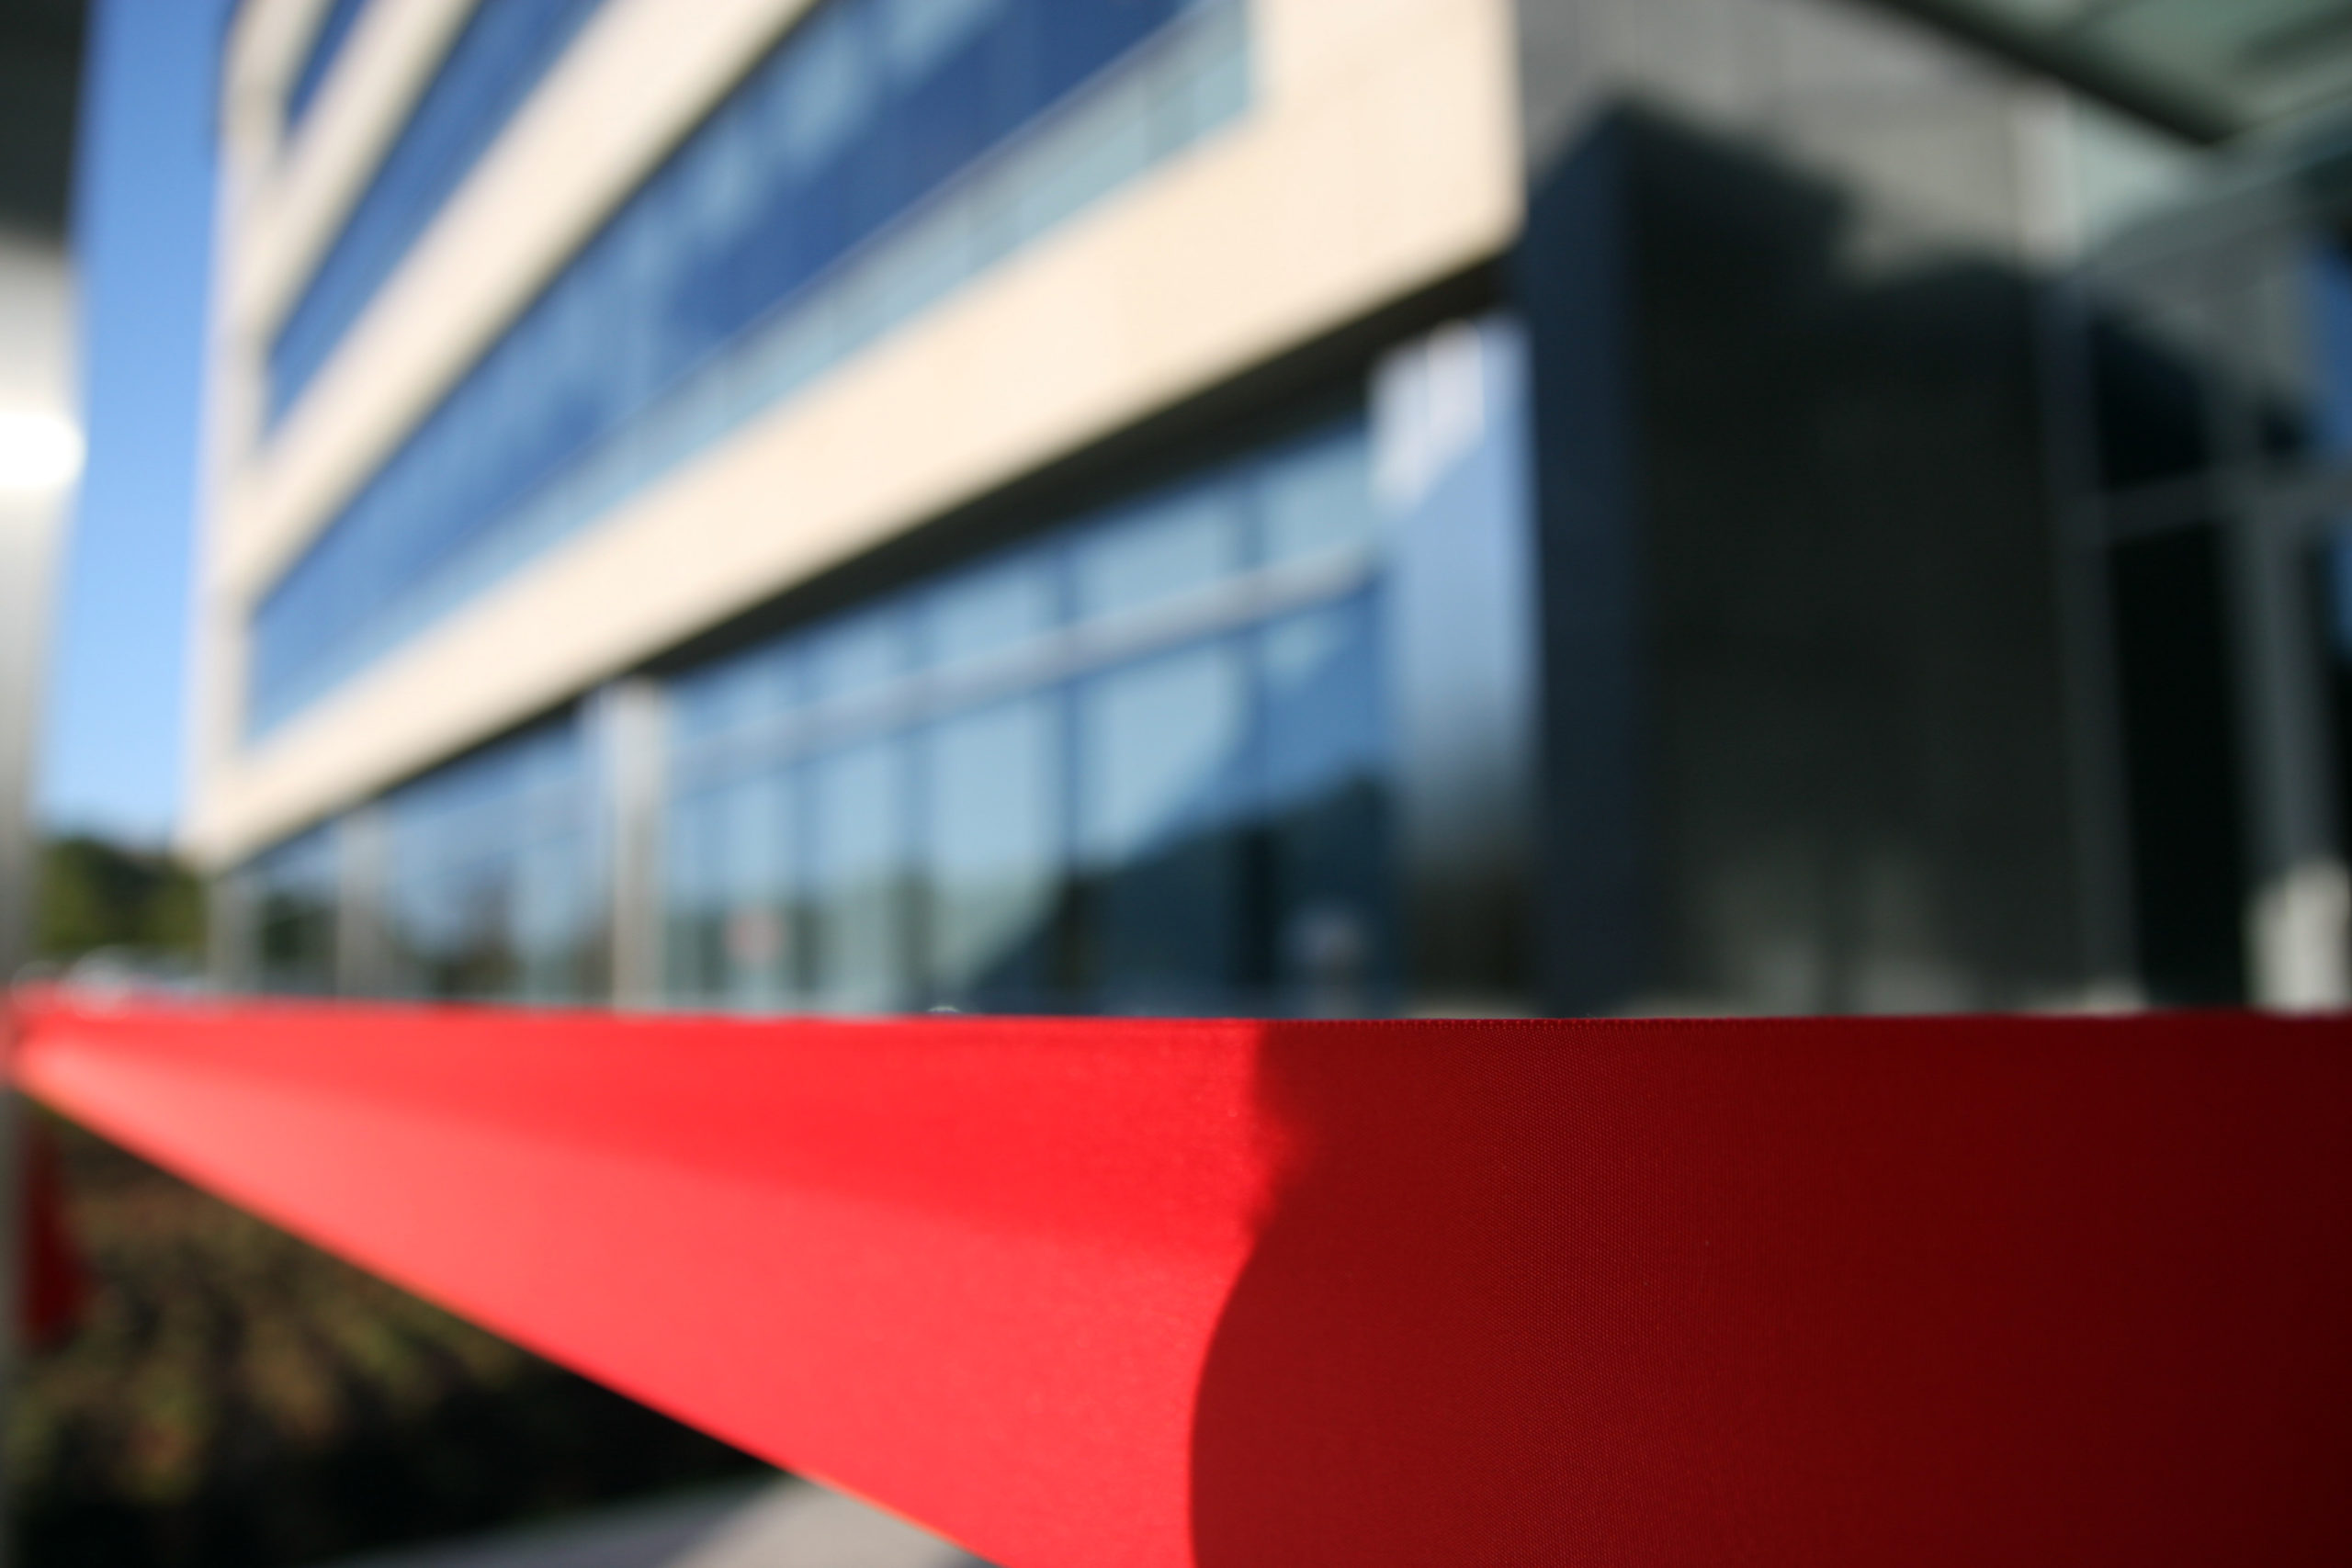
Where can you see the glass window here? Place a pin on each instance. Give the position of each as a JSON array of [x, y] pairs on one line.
[[1073, 171], [555, 920], [1000, 606], [453, 917], [1317, 497], [728, 280], [731, 916], [1162, 778], [1201, 829], [492, 887], [295, 892], [917, 35], [326, 45], [694, 905], [2149, 403], [2331, 339], [1165, 548], [859, 946], [828, 86], [993, 864], [2178, 713], [1325, 812], [859, 654], [495, 61], [733, 695]]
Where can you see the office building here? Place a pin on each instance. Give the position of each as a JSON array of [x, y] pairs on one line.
[[1274, 506]]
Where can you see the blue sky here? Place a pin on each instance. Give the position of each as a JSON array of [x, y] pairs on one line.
[[114, 757]]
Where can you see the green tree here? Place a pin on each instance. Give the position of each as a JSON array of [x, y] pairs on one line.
[[93, 894]]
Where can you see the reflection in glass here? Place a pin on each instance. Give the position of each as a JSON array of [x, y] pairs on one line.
[[857, 912], [1325, 812], [1199, 828], [2148, 403], [491, 887], [328, 36], [730, 868], [1161, 771], [999, 606], [992, 819], [1317, 497], [450, 917], [2331, 319], [552, 895], [851, 179], [497, 58], [1184, 541], [737, 694], [858, 654], [294, 891], [2179, 711], [693, 912]]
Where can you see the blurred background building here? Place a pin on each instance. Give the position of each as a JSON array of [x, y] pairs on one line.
[[1290, 506], [1276, 505], [40, 436]]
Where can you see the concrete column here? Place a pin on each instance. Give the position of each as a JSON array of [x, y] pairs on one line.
[[625, 720], [232, 934]]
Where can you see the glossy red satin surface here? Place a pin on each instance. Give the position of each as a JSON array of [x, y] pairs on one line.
[[1237, 1293]]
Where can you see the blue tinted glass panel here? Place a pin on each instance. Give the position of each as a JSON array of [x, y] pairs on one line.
[[1170, 546], [1175, 801], [493, 890], [326, 44], [1163, 769], [2331, 315], [992, 862], [858, 907], [294, 892], [803, 219], [555, 922], [1038, 816], [859, 654], [1329, 882], [1317, 498], [1002, 605], [498, 57], [731, 916], [694, 904], [742, 692]]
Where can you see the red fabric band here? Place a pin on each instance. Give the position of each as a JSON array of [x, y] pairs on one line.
[[1235, 1293]]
